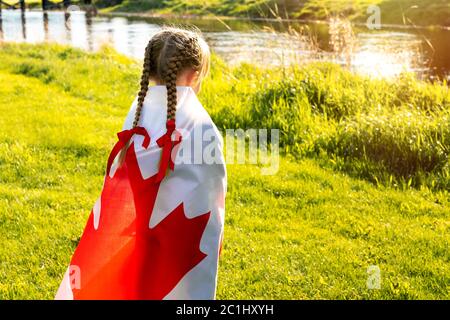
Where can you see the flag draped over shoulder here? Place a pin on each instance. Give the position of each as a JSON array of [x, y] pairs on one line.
[[156, 230]]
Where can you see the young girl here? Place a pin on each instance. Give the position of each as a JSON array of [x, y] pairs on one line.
[[156, 230]]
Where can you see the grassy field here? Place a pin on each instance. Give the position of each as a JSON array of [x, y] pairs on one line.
[[419, 12], [311, 231]]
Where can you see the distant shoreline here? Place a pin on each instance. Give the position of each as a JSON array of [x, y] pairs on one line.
[[110, 11], [419, 13], [236, 18]]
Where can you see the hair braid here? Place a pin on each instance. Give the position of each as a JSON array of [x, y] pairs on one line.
[[168, 53], [145, 79], [175, 64]]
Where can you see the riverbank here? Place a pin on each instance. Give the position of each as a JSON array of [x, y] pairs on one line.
[[410, 13], [311, 231], [393, 12]]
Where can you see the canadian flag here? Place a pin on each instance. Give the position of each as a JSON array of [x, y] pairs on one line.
[[156, 231]]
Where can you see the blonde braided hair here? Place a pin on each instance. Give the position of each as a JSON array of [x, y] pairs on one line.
[[181, 52], [169, 52], [145, 79]]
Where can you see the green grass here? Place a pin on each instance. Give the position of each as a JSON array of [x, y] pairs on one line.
[[418, 12], [311, 231], [409, 12], [389, 132]]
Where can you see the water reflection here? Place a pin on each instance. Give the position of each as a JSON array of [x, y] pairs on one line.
[[395, 53], [23, 22], [386, 53], [1, 28]]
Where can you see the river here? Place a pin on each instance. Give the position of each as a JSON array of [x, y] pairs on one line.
[[378, 53]]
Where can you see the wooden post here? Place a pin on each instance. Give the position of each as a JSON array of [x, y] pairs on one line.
[[1, 23], [24, 26], [45, 25], [22, 5], [44, 5]]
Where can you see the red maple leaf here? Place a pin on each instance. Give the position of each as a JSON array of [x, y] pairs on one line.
[[124, 258]]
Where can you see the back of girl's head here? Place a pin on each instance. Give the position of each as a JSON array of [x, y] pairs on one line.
[[168, 53]]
